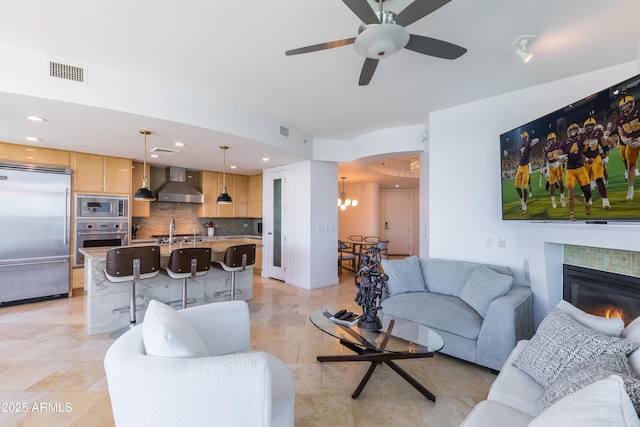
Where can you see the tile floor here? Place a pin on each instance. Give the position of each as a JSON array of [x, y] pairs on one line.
[[51, 371]]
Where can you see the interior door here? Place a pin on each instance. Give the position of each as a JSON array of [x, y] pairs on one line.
[[396, 221], [276, 239]]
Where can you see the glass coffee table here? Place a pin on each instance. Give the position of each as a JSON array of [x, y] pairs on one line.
[[398, 339]]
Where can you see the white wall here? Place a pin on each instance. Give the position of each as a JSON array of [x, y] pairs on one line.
[[463, 186], [310, 223], [362, 219]]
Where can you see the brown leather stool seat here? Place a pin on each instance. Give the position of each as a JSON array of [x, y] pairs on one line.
[[235, 258], [188, 263]]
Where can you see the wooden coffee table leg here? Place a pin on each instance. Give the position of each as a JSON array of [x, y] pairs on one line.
[[426, 393], [365, 379]]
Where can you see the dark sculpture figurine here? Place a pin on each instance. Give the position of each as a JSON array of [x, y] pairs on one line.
[[370, 283]]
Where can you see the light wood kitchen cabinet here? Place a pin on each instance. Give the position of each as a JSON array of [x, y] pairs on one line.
[[257, 267], [101, 174], [139, 208], [254, 202], [210, 184], [77, 282], [240, 196], [25, 154]]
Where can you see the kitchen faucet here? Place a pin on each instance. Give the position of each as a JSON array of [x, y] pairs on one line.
[[172, 226]]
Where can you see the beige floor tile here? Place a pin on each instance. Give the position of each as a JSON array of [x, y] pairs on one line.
[[46, 357]]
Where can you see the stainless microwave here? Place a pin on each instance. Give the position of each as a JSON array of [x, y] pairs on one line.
[[101, 206]]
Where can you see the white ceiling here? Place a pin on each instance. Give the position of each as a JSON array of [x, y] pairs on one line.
[[234, 53]]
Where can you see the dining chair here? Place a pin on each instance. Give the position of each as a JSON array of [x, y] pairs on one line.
[[372, 239], [383, 245], [345, 253], [356, 238]]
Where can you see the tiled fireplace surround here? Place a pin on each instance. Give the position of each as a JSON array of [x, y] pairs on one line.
[[608, 247]]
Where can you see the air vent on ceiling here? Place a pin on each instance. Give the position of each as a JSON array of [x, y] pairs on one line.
[[284, 131], [168, 151], [67, 72]]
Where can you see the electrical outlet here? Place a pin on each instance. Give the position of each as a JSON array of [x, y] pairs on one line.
[[489, 242], [502, 242]]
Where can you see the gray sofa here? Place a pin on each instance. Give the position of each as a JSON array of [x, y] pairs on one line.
[[589, 367], [475, 307]]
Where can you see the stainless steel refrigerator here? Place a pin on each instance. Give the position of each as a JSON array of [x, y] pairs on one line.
[[34, 232]]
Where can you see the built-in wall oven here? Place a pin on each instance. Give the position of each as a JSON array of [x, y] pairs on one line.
[[101, 221]]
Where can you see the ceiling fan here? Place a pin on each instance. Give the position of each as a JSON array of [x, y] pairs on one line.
[[383, 33]]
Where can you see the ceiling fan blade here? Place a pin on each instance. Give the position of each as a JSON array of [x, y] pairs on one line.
[[368, 68], [418, 10], [363, 11], [320, 46], [434, 47]]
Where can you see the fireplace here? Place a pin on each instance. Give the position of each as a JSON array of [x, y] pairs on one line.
[[602, 293]]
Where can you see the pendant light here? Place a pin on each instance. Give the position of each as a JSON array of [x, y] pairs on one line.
[[343, 202], [224, 198], [144, 193]]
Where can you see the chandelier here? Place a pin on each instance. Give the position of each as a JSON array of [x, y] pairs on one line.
[[414, 164], [343, 201]]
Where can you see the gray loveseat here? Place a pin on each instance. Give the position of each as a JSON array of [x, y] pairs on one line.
[[475, 307]]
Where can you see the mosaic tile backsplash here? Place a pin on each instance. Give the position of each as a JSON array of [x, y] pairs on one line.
[[185, 217], [612, 260]]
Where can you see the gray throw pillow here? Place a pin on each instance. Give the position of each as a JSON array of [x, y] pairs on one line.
[[404, 275], [561, 343], [483, 287], [586, 373]]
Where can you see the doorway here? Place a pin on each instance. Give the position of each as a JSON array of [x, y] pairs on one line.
[[396, 220], [275, 245]]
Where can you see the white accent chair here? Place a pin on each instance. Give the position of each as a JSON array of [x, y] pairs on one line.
[[233, 386]]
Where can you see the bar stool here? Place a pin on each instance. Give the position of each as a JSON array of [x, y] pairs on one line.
[[235, 258], [132, 264], [188, 263]]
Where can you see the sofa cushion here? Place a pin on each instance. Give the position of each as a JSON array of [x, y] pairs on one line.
[[448, 277], [603, 403], [611, 326], [404, 275], [632, 333], [586, 373], [166, 333], [489, 413], [483, 287], [561, 343], [437, 311], [515, 388]]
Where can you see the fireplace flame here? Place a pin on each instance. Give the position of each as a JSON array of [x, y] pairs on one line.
[[611, 312]]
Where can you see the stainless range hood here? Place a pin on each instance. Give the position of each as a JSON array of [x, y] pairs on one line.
[[176, 188]]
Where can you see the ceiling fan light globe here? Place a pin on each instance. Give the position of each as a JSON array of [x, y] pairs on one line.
[[381, 40], [354, 203], [347, 202], [343, 208]]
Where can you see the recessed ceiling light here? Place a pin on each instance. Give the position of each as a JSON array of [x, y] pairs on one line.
[[155, 156], [33, 139], [265, 159], [233, 167], [36, 119], [178, 144]]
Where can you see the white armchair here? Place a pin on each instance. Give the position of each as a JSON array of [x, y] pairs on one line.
[[231, 387]]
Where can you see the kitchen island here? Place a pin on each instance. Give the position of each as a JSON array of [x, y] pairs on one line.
[[107, 304]]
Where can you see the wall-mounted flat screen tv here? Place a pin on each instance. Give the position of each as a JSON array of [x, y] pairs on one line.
[[578, 163]]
